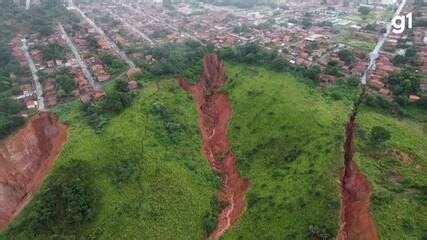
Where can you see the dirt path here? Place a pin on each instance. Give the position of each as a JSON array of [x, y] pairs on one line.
[[25, 160], [355, 221], [214, 111]]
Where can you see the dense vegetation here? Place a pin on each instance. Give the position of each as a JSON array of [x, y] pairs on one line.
[[178, 60], [252, 53], [65, 83], [99, 113], [53, 51], [11, 74], [113, 65], [63, 207]]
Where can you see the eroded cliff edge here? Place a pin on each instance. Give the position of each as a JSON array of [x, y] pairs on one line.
[[25, 160]]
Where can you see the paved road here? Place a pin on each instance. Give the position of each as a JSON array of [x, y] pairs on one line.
[[79, 59], [36, 80], [122, 54], [131, 27], [373, 56]]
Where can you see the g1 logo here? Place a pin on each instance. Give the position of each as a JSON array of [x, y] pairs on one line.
[[399, 23]]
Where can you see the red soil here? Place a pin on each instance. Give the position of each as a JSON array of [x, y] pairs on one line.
[[355, 220], [25, 160], [214, 111]]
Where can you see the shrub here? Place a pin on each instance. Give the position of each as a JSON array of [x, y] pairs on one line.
[[123, 170], [379, 135], [65, 203], [252, 199]]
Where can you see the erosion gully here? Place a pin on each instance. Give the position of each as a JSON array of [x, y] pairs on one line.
[[25, 160], [355, 219], [214, 112]]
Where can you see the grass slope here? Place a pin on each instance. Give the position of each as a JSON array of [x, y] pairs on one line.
[[399, 183], [172, 187], [288, 142], [287, 139]]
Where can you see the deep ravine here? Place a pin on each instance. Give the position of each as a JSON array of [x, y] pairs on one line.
[[355, 220], [214, 111]]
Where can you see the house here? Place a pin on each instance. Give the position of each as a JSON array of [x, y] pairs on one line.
[[133, 71], [423, 85], [376, 83], [414, 98], [30, 104], [384, 92], [132, 85], [99, 95]]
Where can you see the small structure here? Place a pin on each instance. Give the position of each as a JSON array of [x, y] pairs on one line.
[[414, 98], [132, 85], [384, 92], [133, 71], [99, 95]]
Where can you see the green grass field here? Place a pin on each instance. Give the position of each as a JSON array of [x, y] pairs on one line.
[[345, 37], [287, 137], [276, 116], [399, 183]]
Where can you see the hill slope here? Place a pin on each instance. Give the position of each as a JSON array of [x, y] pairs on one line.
[[149, 179]]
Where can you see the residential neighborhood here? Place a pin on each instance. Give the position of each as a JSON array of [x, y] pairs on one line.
[[338, 39]]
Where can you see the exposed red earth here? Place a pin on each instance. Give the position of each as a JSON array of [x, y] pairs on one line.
[[25, 160], [355, 221], [214, 111]]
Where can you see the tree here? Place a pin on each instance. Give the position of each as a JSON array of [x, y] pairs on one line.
[[9, 106], [313, 73], [346, 56], [309, 48], [241, 29], [121, 86], [4, 84], [64, 83], [333, 68], [306, 22], [403, 83], [364, 10], [411, 52], [398, 60], [53, 51], [379, 135]]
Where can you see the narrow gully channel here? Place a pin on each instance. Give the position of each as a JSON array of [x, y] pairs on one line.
[[214, 111], [355, 220]]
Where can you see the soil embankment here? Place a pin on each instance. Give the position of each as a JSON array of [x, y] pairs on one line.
[[25, 159], [355, 221], [214, 111]]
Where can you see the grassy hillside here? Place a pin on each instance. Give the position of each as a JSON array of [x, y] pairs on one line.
[[288, 140], [150, 181], [398, 176], [159, 192]]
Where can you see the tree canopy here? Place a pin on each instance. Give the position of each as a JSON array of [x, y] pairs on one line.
[[379, 135], [364, 10]]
